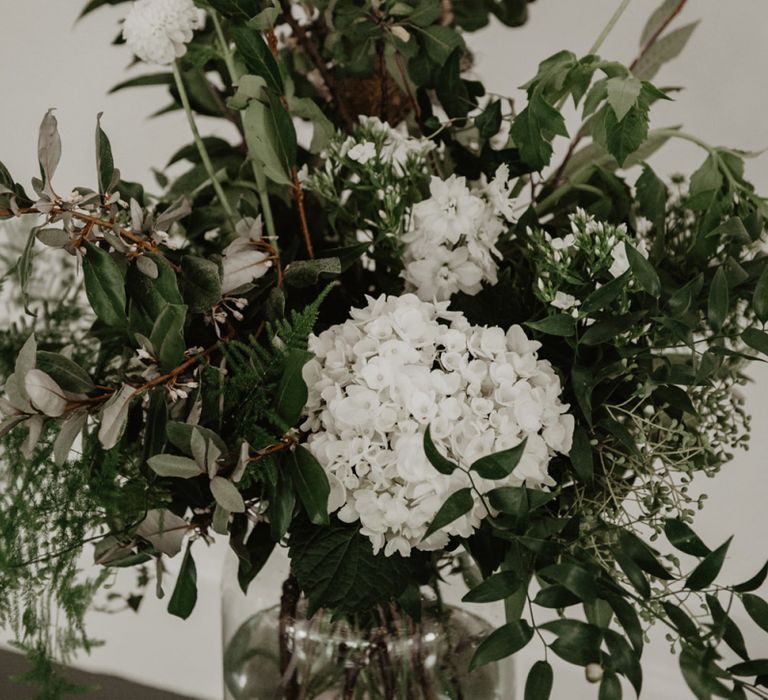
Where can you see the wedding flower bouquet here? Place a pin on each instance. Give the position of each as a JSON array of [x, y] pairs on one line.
[[380, 328]]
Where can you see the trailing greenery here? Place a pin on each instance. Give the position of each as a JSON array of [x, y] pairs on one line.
[[155, 378]]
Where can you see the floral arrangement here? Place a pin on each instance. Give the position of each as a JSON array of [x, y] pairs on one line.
[[382, 329]]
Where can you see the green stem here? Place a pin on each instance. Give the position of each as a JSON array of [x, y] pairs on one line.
[[224, 45], [201, 146], [258, 170], [608, 27]]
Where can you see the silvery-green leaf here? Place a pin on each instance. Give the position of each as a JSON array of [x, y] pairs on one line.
[[35, 425], [53, 237], [211, 459], [27, 357], [49, 145], [68, 432], [175, 466], [145, 343], [242, 462], [105, 164], [9, 423], [227, 495], [137, 215], [220, 519], [178, 210], [164, 530], [114, 416], [110, 549], [660, 16], [44, 393], [198, 444], [147, 267], [66, 373], [16, 394]]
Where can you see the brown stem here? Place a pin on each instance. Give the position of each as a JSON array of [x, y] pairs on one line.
[[289, 602], [298, 195], [314, 54]]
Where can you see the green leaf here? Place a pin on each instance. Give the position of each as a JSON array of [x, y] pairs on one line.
[[201, 283], [757, 609], [180, 435], [457, 504], [717, 307], [660, 16], [105, 163], [495, 587], [451, 89], [634, 573], [502, 642], [627, 617], [709, 568], [682, 537], [440, 42], [307, 273], [114, 416], [665, 49], [311, 483], [322, 127], [292, 391], [642, 555], [442, 464], [760, 297], [582, 456], [66, 373], [644, 273], [623, 93], [534, 128], [238, 10], [143, 80], [755, 582], [488, 122], [610, 687], [337, 569], [49, 146], [558, 324], [184, 597], [682, 622], [574, 578], [756, 339], [556, 597], [538, 684], [174, 466], [577, 642], [104, 286], [756, 667], [257, 57], [624, 137], [167, 336], [252, 554], [262, 140], [603, 296], [501, 464]]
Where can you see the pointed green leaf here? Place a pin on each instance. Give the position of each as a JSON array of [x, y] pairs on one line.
[[682, 537], [706, 572], [501, 464], [496, 587], [104, 286], [184, 597], [311, 484], [502, 642], [442, 464], [457, 504]]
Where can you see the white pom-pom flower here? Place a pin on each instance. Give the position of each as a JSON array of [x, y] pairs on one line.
[[158, 31], [451, 245], [399, 365]]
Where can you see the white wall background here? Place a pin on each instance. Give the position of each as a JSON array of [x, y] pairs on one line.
[[48, 60]]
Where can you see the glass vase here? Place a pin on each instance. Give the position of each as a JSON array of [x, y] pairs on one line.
[[277, 652]]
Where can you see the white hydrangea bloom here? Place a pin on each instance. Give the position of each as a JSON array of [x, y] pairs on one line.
[[157, 31], [451, 245], [400, 364]]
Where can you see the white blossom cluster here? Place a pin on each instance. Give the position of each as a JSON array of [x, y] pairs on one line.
[[158, 31], [451, 245], [371, 177], [399, 365], [574, 261]]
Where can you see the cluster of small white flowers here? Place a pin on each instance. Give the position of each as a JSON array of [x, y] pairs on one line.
[[158, 31], [451, 245], [591, 249], [399, 365]]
